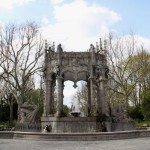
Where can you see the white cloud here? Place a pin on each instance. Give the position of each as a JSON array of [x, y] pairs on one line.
[[138, 41], [142, 41], [45, 20], [77, 24], [9, 4], [55, 2], [2, 24]]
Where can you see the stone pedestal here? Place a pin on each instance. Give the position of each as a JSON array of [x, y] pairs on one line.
[[28, 127], [72, 124], [119, 126], [123, 126]]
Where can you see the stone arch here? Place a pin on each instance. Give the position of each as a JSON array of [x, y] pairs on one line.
[[76, 66], [68, 75], [82, 75]]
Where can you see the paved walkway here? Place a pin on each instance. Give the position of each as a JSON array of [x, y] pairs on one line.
[[126, 144]]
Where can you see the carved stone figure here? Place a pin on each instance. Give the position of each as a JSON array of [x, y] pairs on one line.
[[28, 113], [106, 73], [59, 48], [119, 113], [92, 48]]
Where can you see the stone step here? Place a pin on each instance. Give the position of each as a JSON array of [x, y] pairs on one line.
[[75, 136]]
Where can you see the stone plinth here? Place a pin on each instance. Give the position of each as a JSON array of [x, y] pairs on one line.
[[71, 124], [28, 127], [123, 126], [119, 126]]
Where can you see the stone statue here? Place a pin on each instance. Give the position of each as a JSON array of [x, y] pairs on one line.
[[59, 48], [28, 112], [92, 48], [119, 113], [106, 72]]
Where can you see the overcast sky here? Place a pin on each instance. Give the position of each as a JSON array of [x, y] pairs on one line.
[[78, 23]]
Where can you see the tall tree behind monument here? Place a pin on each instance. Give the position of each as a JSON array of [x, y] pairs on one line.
[[126, 64], [20, 52]]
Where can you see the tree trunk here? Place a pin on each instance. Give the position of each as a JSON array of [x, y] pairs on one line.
[[11, 113]]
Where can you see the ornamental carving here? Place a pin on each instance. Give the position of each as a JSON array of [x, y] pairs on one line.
[[90, 66]]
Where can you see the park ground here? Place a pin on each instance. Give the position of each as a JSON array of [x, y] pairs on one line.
[[125, 144]]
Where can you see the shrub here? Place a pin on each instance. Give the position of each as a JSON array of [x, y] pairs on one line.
[[135, 112], [146, 105]]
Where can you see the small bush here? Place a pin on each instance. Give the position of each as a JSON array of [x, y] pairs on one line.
[[146, 105], [142, 123], [135, 112]]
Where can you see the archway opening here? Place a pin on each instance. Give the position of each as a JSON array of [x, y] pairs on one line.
[[80, 98], [68, 93], [76, 97]]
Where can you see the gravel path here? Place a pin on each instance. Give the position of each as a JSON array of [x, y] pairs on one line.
[[126, 144]]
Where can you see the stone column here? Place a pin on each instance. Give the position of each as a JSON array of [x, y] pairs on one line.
[[59, 97], [92, 109], [51, 110], [105, 105], [89, 99], [47, 97], [100, 98]]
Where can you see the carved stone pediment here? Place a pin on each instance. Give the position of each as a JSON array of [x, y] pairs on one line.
[[75, 76]]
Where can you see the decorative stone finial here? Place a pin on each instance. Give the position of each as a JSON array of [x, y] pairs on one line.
[[105, 44], [53, 46], [97, 47], [45, 44], [59, 48], [92, 48], [101, 48]]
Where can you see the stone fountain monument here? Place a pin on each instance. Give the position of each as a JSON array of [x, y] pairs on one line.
[[61, 66]]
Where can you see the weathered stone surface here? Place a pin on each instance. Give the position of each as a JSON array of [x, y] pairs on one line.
[[28, 113], [98, 136], [123, 126], [28, 127], [89, 66], [72, 124], [61, 66]]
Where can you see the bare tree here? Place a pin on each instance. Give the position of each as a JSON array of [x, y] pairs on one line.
[[124, 73], [142, 60], [21, 48], [81, 95]]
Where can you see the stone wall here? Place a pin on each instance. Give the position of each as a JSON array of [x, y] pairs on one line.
[[71, 124], [28, 127]]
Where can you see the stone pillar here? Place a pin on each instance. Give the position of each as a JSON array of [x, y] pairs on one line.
[[105, 104], [47, 97], [100, 98], [52, 86], [89, 99], [92, 107], [59, 97]]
